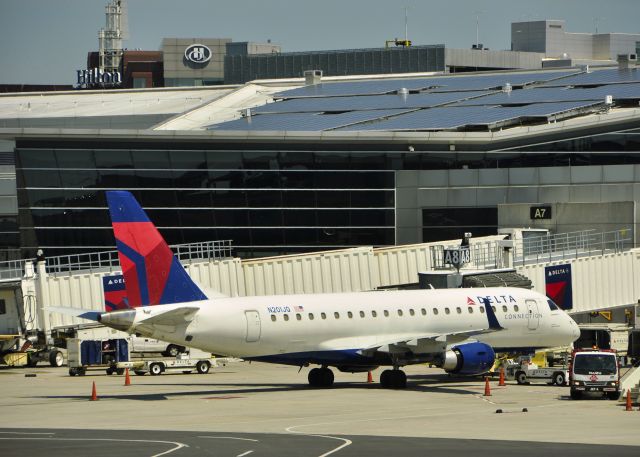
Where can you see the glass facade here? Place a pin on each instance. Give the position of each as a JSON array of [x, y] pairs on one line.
[[267, 202], [267, 199], [440, 224]]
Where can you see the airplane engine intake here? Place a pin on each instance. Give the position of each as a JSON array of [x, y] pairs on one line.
[[469, 359]]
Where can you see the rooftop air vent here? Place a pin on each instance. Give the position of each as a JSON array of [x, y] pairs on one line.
[[312, 77]]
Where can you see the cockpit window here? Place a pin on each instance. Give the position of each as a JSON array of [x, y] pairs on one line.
[[552, 305]]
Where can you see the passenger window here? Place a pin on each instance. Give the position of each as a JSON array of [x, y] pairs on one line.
[[310, 316], [504, 308], [399, 312], [361, 313], [435, 311], [423, 311], [374, 314], [323, 315], [470, 310], [412, 312], [350, 315], [298, 317], [516, 308], [493, 308], [482, 310], [386, 313], [552, 305], [286, 317], [273, 317], [447, 311], [459, 310], [336, 315]]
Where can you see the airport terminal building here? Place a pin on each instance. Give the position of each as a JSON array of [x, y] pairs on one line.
[[293, 165]]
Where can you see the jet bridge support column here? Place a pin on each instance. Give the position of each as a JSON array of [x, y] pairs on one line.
[[42, 300]]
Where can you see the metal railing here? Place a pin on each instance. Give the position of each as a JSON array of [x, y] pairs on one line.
[[494, 254], [13, 270], [108, 260], [560, 246]]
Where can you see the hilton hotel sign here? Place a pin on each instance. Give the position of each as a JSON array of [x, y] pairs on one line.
[[98, 78]]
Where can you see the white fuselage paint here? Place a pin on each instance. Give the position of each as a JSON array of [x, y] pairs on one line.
[[291, 324]]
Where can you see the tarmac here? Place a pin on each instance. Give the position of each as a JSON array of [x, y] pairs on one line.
[[260, 409]]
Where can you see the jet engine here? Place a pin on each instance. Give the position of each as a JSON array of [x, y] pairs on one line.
[[469, 359]]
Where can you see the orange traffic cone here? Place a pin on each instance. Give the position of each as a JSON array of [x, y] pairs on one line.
[[127, 379], [94, 395], [628, 408], [501, 382], [369, 377], [487, 387]]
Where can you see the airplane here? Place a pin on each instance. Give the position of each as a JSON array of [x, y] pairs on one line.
[[459, 330]]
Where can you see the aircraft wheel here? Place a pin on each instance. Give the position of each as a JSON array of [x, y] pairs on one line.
[[327, 377], [393, 379], [314, 377]]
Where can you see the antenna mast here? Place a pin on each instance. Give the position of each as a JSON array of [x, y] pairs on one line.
[[110, 38]]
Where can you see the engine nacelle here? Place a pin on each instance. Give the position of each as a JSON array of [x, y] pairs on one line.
[[469, 359]]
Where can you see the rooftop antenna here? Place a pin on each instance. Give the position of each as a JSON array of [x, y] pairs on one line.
[[406, 27], [478, 13], [595, 22], [110, 38]]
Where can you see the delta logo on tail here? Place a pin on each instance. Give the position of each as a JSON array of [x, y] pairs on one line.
[[115, 294], [152, 275]]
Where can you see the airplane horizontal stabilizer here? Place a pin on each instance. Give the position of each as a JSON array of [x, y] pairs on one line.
[[176, 316]]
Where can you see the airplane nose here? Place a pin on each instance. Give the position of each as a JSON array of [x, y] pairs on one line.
[[575, 330]]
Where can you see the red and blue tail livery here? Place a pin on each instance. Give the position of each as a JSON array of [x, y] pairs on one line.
[[152, 274]]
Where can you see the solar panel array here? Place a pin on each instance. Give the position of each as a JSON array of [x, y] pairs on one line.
[[460, 102]]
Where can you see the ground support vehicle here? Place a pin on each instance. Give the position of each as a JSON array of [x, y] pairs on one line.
[[525, 372], [594, 371], [101, 354], [195, 360], [17, 351]]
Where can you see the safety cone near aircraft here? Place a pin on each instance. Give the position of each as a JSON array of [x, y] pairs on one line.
[[487, 387], [369, 377], [501, 382], [94, 394], [127, 378], [629, 406]]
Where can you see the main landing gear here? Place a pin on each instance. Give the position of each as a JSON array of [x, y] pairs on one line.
[[393, 379], [321, 377]]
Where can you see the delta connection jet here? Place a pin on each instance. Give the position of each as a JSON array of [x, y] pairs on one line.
[[458, 330]]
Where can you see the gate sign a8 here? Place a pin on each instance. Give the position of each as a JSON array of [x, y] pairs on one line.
[[457, 257]]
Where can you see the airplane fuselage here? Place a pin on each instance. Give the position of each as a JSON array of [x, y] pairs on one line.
[[363, 328]]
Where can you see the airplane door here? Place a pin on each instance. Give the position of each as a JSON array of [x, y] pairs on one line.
[[533, 314], [253, 326]]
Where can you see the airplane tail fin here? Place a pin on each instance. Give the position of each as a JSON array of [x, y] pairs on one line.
[[152, 274]]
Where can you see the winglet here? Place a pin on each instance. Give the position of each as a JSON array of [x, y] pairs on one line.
[[491, 316]]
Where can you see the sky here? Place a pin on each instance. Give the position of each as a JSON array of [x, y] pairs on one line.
[[46, 41]]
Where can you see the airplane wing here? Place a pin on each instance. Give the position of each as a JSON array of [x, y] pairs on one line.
[[178, 316], [88, 314]]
